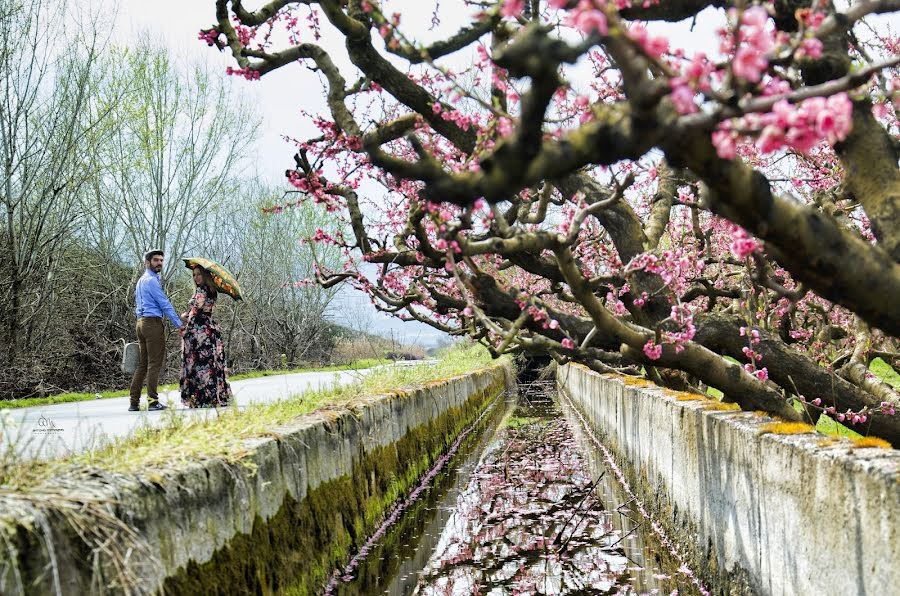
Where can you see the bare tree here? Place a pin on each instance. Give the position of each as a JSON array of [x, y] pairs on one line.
[[47, 68], [283, 312], [177, 150]]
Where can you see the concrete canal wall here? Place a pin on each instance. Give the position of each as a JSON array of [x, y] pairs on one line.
[[755, 512], [277, 519]]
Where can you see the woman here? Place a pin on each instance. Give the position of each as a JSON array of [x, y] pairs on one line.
[[203, 381]]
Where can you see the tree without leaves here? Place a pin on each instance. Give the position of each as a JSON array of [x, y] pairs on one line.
[[280, 313], [178, 142], [44, 87], [665, 210]]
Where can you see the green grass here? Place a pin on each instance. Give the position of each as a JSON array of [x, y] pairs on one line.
[[182, 439], [72, 397], [355, 365], [828, 426], [883, 370]]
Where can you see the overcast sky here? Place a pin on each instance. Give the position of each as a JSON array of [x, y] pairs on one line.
[[280, 95]]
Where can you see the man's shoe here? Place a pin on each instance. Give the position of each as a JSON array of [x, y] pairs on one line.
[[134, 409], [156, 407]]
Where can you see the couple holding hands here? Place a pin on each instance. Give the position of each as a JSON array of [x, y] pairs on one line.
[[203, 376]]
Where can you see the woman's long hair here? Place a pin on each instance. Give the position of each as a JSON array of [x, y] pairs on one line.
[[208, 283]]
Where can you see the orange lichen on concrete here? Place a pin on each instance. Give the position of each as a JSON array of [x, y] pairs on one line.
[[636, 381], [786, 428], [683, 396], [718, 405], [864, 442]]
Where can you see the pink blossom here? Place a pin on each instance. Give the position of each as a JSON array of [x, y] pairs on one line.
[[771, 139], [755, 16], [811, 47], [762, 374], [749, 64], [248, 73], [683, 98], [512, 8], [568, 344], [742, 243], [587, 18], [657, 46], [725, 142], [699, 68], [653, 350], [812, 20], [836, 126], [802, 139], [211, 36]]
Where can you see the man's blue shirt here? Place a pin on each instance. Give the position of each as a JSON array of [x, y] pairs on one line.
[[151, 301]]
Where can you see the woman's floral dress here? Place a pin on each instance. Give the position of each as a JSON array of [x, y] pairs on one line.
[[203, 381]]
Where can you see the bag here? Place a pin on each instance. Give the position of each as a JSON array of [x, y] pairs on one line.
[[131, 355]]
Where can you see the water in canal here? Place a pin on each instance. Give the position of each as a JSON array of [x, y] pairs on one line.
[[525, 504]]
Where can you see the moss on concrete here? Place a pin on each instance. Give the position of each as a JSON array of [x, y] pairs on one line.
[[786, 428], [294, 551], [864, 442]]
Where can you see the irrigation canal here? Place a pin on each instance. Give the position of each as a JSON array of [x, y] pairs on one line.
[[527, 501]]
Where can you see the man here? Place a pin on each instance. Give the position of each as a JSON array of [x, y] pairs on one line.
[[150, 306]]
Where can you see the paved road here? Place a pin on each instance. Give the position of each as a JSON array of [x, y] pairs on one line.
[[60, 429]]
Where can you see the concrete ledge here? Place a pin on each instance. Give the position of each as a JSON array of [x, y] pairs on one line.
[[279, 519], [755, 513]]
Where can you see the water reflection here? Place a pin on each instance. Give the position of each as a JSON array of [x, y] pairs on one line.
[[534, 520], [393, 564], [530, 510]]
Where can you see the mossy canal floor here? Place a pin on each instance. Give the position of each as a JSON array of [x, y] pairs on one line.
[[522, 508]]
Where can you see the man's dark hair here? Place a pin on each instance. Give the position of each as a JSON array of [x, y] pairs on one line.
[[152, 253]]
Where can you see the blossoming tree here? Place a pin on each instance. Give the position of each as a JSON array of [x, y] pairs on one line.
[[557, 177]]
